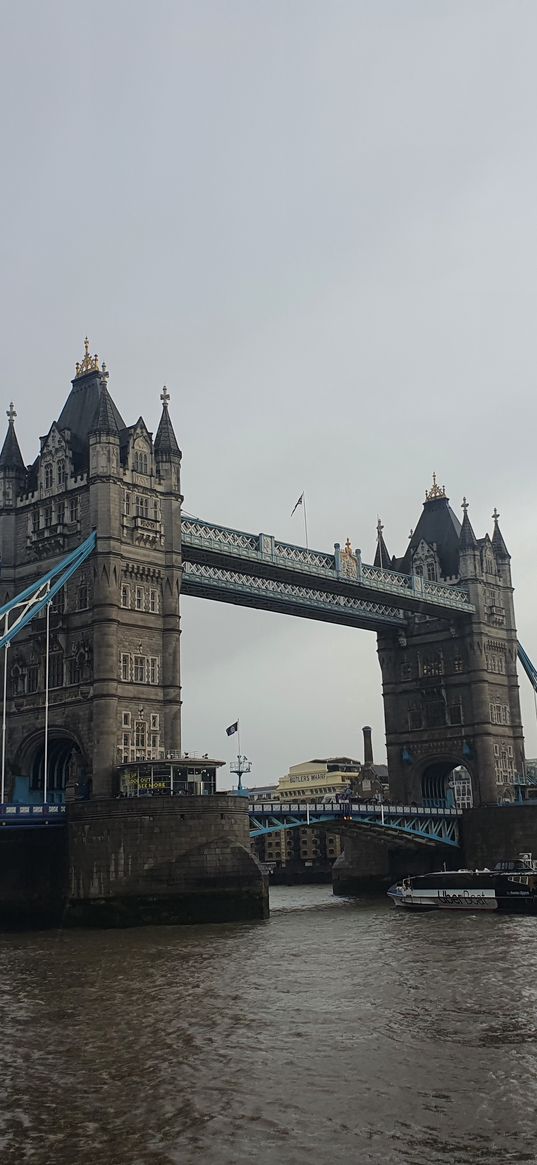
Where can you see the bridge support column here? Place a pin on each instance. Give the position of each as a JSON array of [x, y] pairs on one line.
[[370, 865]]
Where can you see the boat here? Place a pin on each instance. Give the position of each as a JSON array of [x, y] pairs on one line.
[[510, 887]]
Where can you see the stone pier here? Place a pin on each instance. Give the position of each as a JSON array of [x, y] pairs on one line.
[[133, 862]]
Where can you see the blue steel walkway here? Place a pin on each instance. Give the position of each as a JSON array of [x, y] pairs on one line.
[[410, 823]]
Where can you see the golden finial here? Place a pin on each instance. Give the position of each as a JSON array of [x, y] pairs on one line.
[[435, 491], [88, 364], [348, 547]]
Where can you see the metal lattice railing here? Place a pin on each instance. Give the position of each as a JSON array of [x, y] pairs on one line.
[[241, 584], [348, 567]]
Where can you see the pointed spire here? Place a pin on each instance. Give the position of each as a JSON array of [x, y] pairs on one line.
[[467, 539], [382, 558], [11, 456], [165, 440], [104, 420], [498, 544]]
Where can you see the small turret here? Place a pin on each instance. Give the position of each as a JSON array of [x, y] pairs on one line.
[[498, 545], [166, 446], [468, 540], [11, 456], [382, 557]]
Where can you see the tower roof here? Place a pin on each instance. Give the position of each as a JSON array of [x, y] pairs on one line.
[[498, 544], [439, 526], [105, 420], [382, 558], [468, 540], [82, 406], [165, 440], [11, 456]]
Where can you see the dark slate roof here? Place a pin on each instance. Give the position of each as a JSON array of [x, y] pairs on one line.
[[11, 456], [468, 540], [437, 524], [498, 544], [382, 558], [79, 412], [105, 420], [165, 440]]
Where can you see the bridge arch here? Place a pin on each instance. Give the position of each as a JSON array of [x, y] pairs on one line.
[[66, 764], [447, 782]]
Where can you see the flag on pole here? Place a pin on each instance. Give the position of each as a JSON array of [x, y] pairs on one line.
[[300, 502], [233, 728]]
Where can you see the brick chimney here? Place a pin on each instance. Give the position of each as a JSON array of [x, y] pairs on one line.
[[368, 747]]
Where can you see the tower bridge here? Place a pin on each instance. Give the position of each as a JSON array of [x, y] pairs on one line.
[[99, 675]]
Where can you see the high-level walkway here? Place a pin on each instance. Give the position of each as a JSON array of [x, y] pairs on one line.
[[256, 570]]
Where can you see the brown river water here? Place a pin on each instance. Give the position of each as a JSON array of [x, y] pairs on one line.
[[337, 1031]]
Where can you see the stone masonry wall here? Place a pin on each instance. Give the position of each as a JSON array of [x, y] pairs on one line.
[[148, 860]]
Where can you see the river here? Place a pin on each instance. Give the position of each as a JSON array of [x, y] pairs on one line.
[[337, 1031]]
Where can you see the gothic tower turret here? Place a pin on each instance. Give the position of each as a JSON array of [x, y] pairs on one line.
[[450, 687]]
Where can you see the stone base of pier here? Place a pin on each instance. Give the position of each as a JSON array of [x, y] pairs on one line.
[[135, 862]]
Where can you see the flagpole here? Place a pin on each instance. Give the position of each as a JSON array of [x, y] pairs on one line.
[[305, 518]]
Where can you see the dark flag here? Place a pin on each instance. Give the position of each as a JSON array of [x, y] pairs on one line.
[[233, 728], [300, 502]]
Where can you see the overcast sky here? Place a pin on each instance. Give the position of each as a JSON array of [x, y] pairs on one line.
[[316, 222]]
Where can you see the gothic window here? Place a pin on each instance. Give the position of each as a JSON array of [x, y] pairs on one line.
[[127, 504], [154, 740], [455, 713], [55, 672], [48, 515], [139, 598], [58, 603], [155, 720], [139, 669], [140, 735], [125, 668], [431, 572], [125, 596], [61, 472], [142, 506], [61, 513], [18, 681], [153, 601], [415, 717], [126, 719], [48, 475], [82, 597], [126, 746], [35, 520], [155, 511], [457, 663], [432, 665], [33, 678], [435, 713], [73, 671], [419, 571], [73, 510], [153, 670]]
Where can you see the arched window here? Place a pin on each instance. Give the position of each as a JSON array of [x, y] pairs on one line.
[[61, 472], [48, 475]]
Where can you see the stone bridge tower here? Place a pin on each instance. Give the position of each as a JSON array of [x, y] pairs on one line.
[[114, 678], [450, 688]]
